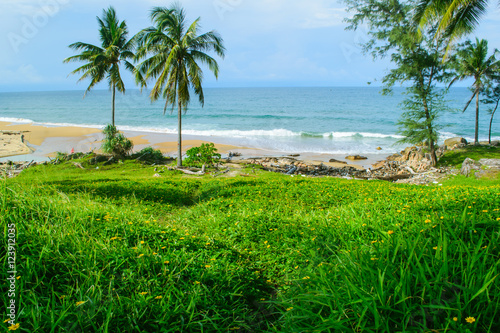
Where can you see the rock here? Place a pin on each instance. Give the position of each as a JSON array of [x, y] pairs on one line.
[[156, 175], [490, 162], [468, 165], [332, 160], [356, 157], [378, 165], [294, 155], [454, 141]]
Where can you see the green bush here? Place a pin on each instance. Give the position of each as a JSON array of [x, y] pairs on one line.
[[149, 154], [115, 143], [204, 154]]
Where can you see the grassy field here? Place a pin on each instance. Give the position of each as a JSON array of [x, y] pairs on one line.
[[115, 249]]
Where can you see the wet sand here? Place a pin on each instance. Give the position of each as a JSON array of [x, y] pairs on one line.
[[45, 141]]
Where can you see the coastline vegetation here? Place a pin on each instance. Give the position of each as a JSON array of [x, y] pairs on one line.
[[114, 249]]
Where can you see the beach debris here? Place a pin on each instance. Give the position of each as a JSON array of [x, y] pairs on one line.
[[11, 169], [232, 154], [356, 157], [379, 148], [78, 165], [192, 171], [332, 160], [221, 172]]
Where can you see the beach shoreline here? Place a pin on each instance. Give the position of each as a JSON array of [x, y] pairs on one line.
[[45, 141]]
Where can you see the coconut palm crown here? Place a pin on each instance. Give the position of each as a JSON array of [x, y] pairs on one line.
[[474, 62], [456, 17], [172, 53], [103, 62]]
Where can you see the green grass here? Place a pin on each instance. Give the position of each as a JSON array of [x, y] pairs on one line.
[[457, 156], [264, 253]]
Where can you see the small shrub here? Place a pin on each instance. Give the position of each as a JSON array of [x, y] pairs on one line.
[[115, 143], [149, 154], [204, 154]]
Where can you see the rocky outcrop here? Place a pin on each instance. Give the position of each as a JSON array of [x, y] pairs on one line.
[[454, 142]]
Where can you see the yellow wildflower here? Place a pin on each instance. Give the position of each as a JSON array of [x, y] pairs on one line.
[[290, 308], [13, 327], [80, 303], [158, 297], [390, 232], [144, 293], [455, 319], [470, 320]]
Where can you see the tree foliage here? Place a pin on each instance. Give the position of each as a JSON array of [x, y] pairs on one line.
[[172, 52], [115, 143], [453, 18], [417, 59], [103, 62], [205, 154]]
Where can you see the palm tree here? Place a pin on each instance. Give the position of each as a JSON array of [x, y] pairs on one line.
[[492, 97], [174, 51], [104, 61], [473, 61], [456, 17]]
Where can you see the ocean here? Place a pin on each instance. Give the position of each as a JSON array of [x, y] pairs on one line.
[[314, 120]]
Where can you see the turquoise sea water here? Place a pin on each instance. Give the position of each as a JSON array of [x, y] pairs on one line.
[[316, 120]]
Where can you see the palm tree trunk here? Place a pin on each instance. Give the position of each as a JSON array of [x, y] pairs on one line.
[[476, 135], [491, 121], [113, 106], [179, 138]]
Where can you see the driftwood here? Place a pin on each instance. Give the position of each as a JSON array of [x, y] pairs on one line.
[[78, 165], [221, 172], [189, 172]]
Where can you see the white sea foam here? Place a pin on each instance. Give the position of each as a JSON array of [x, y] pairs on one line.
[[16, 120], [360, 134]]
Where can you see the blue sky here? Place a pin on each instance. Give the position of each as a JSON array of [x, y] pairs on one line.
[[269, 42]]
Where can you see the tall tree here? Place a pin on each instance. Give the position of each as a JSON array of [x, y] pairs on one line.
[[104, 61], [174, 50], [455, 18], [492, 96], [474, 62], [417, 60]]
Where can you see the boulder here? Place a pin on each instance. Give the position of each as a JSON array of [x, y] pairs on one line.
[[468, 165], [356, 157], [454, 141]]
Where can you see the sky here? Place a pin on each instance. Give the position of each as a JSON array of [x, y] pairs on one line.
[[270, 43]]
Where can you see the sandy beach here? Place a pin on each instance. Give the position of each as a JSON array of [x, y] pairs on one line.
[[42, 142]]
